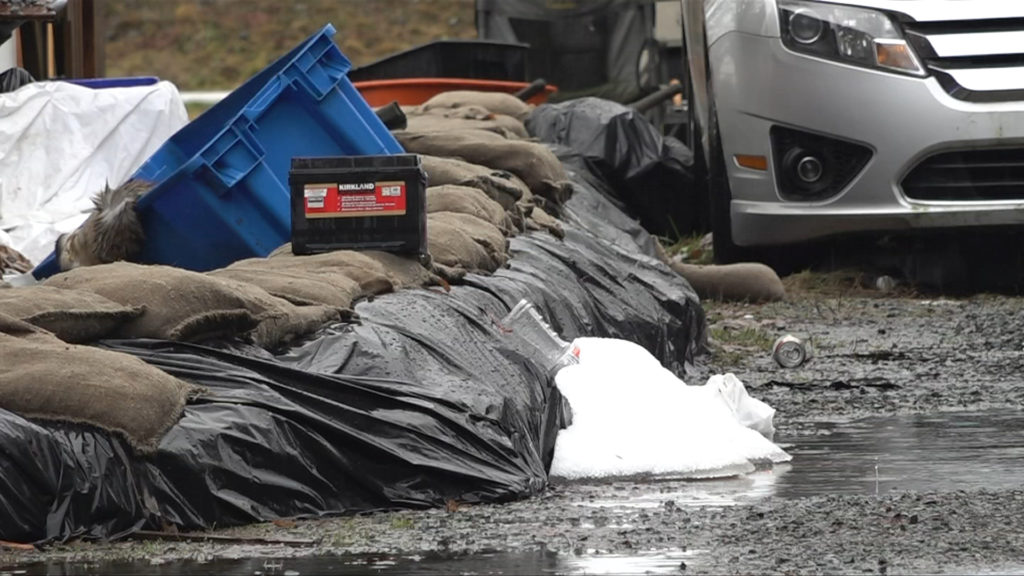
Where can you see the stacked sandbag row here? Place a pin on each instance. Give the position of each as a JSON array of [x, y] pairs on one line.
[[487, 178]]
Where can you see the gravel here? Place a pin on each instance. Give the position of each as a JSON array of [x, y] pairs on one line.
[[874, 354]]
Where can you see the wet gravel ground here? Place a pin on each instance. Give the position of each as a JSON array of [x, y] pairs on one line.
[[874, 355]]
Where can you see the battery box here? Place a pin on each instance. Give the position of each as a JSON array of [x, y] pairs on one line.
[[358, 203]]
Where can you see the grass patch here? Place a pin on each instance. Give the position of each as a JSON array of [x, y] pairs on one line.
[[693, 249], [845, 282], [749, 338], [402, 523]]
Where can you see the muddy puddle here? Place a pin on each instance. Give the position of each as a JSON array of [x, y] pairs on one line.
[[943, 452], [530, 562], [951, 451], [934, 453]]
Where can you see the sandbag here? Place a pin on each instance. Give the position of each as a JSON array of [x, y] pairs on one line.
[[541, 220], [499, 185], [371, 276], [405, 270], [505, 126], [468, 200], [189, 306], [295, 286], [12, 261], [180, 304], [280, 321], [532, 162], [496, 102], [44, 378], [465, 242], [75, 316], [740, 282]]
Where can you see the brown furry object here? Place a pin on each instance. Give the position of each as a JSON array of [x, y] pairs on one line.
[[112, 232]]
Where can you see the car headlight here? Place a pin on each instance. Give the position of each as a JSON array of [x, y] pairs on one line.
[[846, 34]]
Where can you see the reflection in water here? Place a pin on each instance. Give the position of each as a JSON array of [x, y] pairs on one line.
[[951, 451], [924, 452], [530, 562]]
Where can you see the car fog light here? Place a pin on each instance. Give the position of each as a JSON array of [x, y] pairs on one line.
[[809, 169], [814, 167]]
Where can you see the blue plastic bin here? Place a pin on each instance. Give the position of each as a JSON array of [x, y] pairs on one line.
[[114, 82], [221, 191]]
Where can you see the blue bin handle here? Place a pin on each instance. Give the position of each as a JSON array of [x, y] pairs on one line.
[[235, 160]]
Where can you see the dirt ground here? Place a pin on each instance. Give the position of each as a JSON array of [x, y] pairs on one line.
[[875, 353]]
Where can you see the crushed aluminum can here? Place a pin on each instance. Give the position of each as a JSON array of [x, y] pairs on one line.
[[790, 352]]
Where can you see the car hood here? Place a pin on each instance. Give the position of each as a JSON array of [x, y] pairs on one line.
[[933, 10]]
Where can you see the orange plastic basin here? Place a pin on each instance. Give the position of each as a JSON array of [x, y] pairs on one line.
[[413, 91]]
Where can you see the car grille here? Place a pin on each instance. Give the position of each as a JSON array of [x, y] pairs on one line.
[[968, 175], [974, 60]]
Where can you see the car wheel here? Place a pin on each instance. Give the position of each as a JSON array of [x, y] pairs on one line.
[[719, 199]]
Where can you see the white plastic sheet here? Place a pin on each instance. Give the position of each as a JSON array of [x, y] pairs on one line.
[[60, 143], [631, 416]]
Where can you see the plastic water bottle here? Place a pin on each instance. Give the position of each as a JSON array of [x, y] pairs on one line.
[[526, 323]]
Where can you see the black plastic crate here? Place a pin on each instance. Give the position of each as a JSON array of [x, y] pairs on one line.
[[358, 203], [476, 59]]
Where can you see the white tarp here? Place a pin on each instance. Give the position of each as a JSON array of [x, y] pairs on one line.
[[60, 143], [631, 416]]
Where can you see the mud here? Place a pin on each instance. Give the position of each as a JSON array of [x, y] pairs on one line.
[[878, 359]]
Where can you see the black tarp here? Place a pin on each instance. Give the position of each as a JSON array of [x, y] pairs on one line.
[[425, 399], [585, 48], [649, 175]]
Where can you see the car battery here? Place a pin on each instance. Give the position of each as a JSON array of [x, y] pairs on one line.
[[358, 203]]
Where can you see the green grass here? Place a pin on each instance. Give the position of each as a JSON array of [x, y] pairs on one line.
[[218, 44], [692, 249]]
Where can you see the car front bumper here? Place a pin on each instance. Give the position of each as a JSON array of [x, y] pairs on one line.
[[758, 83]]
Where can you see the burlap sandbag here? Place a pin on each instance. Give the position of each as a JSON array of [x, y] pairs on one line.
[[505, 126], [378, 271], [496, 102], [499, 185], [466, 242], [371, 276], [405, 270], [541, 220], [280, 321], [741, 282], [42, 377], [468, 200], [532, 162], [180, 304], [297, 287], [75, 316]]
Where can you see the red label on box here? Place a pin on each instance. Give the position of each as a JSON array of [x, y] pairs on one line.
[[354, 199]]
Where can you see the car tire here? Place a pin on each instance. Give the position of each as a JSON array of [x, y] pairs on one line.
[[719, 200]]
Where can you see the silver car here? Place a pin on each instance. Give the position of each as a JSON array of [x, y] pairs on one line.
[[822, 118]]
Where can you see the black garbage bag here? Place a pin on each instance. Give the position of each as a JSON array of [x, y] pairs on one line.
[[14, 78], [425, 399], [648, 173]]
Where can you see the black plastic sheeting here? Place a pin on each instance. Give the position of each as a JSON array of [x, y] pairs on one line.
[[425, 399], [14, 78], [649, 175]]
